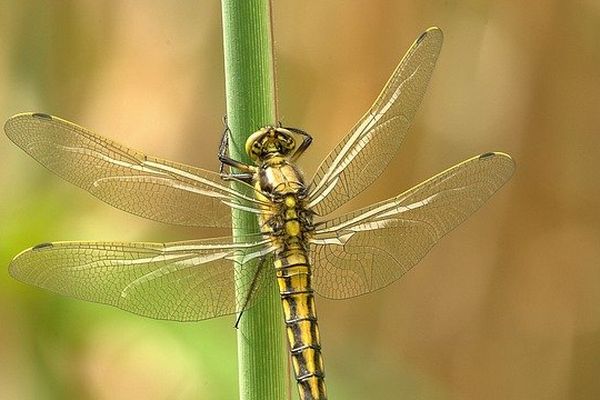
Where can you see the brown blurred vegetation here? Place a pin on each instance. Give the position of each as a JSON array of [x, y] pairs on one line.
[[506, 307]]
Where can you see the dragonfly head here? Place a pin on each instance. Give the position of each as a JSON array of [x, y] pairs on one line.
[[268, 142]]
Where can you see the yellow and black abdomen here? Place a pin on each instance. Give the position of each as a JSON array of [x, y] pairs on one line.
[[288, 225], [293, 276]]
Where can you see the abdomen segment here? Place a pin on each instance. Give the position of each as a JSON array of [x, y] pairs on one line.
[[293, 276]]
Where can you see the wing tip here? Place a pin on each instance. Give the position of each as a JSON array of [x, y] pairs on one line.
[[39, 115], [431, 31], [15, 266], [9, 124], [14, 263], [41, 246], [30, 114], [498, 155]]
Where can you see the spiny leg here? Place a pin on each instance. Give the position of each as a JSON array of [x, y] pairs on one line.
[[247, 170], [306, 141], [261, 260]]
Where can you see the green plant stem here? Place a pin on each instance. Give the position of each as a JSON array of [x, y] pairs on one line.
[[250, 90]]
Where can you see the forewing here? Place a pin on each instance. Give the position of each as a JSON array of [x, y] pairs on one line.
[[182, 281], [127, 179], [370, 248], [372, 143]]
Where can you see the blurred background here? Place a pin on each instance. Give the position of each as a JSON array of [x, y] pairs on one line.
[[505, 307]]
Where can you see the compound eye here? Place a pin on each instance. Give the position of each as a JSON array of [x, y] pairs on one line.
[[287, 141]]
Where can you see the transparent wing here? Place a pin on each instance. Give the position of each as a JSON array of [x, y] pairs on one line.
[[182, 281], [372, 143], [370, 248], [152, 188]]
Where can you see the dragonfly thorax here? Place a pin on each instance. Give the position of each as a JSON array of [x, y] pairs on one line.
[[270, 142], [277, 177]]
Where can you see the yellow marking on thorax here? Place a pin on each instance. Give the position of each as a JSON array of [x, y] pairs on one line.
[[290, 202], [292, 228]]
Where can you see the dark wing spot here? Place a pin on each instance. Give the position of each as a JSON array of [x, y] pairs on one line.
[[42, 246], [486, 155], [42, 116], [420, 38]]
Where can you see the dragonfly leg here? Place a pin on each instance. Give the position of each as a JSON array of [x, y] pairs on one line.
[[237, 177], [306, 141], [247, 170], [261, 260], [224, 145]]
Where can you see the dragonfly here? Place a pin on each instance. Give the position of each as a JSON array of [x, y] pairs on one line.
[[297, 242]]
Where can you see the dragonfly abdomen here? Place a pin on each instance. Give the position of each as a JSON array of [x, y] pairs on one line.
[[294, 279], [289, 229]]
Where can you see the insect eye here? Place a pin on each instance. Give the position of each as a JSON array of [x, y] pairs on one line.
[[286, 141]]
